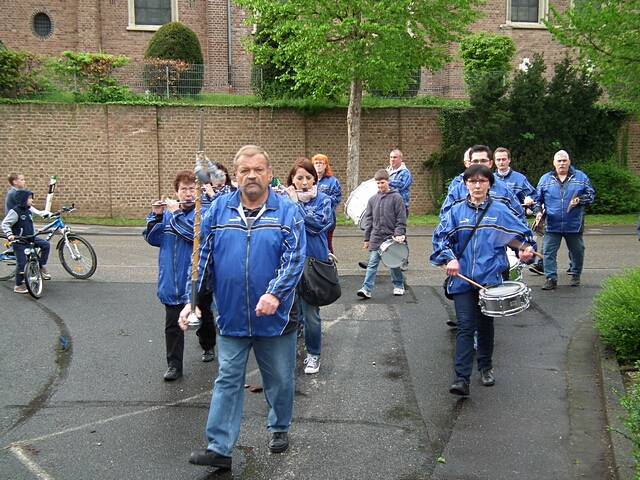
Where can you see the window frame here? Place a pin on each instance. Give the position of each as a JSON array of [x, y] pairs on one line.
[[149, 28], [543, 14]]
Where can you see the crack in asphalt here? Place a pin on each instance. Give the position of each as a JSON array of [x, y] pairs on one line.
[[63, 362]]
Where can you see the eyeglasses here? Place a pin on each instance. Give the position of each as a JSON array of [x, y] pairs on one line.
[[479, 182]]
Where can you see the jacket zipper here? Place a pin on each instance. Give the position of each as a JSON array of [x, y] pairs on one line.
[[473, 264], [246, 273]]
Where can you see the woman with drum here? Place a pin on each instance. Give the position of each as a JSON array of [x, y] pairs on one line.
[[329, 185], [317, 212], [470, 240]]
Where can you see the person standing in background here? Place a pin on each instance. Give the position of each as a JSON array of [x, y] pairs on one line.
[[330, 186]]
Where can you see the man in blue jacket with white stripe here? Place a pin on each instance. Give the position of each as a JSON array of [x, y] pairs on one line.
[[564, 192], [251, 257]]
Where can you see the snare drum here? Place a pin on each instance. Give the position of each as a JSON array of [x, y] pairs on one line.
[[393, 254], [515, 266], [505, 300]]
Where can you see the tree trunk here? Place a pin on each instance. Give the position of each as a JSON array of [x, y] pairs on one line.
[[353, 136]]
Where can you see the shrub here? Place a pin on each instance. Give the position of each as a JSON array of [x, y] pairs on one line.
[[90, 76], [174, 41], [617, 313], [485, 55], [617, 189], [631, 403], [20, 74]]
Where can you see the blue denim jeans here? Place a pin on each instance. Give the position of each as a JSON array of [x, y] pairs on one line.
[[575, 244], [276, 357], [372, 270], [21, 258], [309, 316], [470, 320]]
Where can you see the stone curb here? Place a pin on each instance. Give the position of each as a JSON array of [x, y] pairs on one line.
[[612, 390]]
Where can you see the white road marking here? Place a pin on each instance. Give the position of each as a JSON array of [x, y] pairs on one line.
[[33, 467]]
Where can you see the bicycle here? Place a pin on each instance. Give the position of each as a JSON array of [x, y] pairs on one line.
[[76, 254], [32, 274]]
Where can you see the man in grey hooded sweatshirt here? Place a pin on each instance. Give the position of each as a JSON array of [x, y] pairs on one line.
[[385, 217]]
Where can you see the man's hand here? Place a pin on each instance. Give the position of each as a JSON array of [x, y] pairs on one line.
[[538, 217], [11, 237], [183, 319], [575, 201], [365, 246], [453, 268], [527, 254], [399, 238], [267, 305], [528, 201]]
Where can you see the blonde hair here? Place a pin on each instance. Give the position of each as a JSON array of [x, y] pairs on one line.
[[250, 151]]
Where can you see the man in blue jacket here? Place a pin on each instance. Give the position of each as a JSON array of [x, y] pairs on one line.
[[252, 257], [170, 227], [564, 192]]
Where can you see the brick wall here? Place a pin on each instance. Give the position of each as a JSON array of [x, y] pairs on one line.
[[114, 160]]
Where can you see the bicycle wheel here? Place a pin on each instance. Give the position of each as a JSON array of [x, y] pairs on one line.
[[77, 257], [33, 278], [7, 259]]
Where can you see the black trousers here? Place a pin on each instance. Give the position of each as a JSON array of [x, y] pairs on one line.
[[174, 336]]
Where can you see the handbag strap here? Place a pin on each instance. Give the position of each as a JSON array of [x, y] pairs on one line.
[[476, 227]]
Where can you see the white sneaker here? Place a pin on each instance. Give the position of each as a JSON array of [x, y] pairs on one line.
[[363, 293], [398, 291], [44, 273], [312, 363], [20, 289]]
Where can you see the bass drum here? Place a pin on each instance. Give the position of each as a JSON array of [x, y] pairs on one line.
[[356, 204]]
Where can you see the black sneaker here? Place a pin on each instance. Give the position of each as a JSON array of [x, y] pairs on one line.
[[460, 387], [208, 355], [487, 378], [575, 280], [536, 268], [363, 265], [172, 374], [279, 442], [210, 458], [550, 284]]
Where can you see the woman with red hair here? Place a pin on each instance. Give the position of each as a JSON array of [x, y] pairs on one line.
[[329, 185]]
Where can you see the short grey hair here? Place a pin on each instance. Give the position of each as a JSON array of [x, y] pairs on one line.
[[561, 154], [250, 151]]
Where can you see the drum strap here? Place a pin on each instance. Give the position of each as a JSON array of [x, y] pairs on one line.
[[475, 227]]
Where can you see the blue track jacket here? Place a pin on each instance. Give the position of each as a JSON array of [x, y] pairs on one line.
[[556, 196], [401, 181], [485, 257], [458, 193], [518, 184], [318, 219], [173, 233], [331, 186], [241, 263]]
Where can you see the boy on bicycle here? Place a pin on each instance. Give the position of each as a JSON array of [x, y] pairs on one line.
[[19, 222]]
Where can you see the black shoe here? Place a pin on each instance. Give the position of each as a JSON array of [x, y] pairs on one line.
[[172, 374], [487, 378], [208, 355], [210, 459], [452, 323], [460, 387], [279, 442], [575, 280], [536, 268], [363, 265], [550, 284]]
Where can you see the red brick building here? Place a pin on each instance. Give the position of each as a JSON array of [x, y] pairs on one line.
[[124, 27]]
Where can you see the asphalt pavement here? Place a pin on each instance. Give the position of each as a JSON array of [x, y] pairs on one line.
[[379, 408]]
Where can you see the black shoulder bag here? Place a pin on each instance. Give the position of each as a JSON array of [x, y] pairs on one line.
[[320, 284], [448, 277]]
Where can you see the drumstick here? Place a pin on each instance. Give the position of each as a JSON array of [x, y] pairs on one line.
[[465, 279], [519, 247]]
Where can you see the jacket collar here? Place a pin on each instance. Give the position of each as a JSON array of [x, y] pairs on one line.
[[272, 202]]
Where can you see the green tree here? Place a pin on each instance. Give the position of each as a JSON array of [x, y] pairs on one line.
[[487, 58], [606, 34], [356, 45], [173, 45]]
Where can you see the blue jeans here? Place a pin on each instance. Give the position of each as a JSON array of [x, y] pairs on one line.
[[276, 357], [470, 320], [372, 269], [21, 258], [575, 244], [310, 318]]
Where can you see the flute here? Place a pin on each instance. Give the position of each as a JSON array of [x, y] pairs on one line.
[[162, 203]]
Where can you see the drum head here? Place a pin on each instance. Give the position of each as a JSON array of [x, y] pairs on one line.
[[504, 290], [394, 254], [356, 204]]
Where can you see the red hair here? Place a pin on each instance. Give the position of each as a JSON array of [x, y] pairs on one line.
[[324, 159]]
